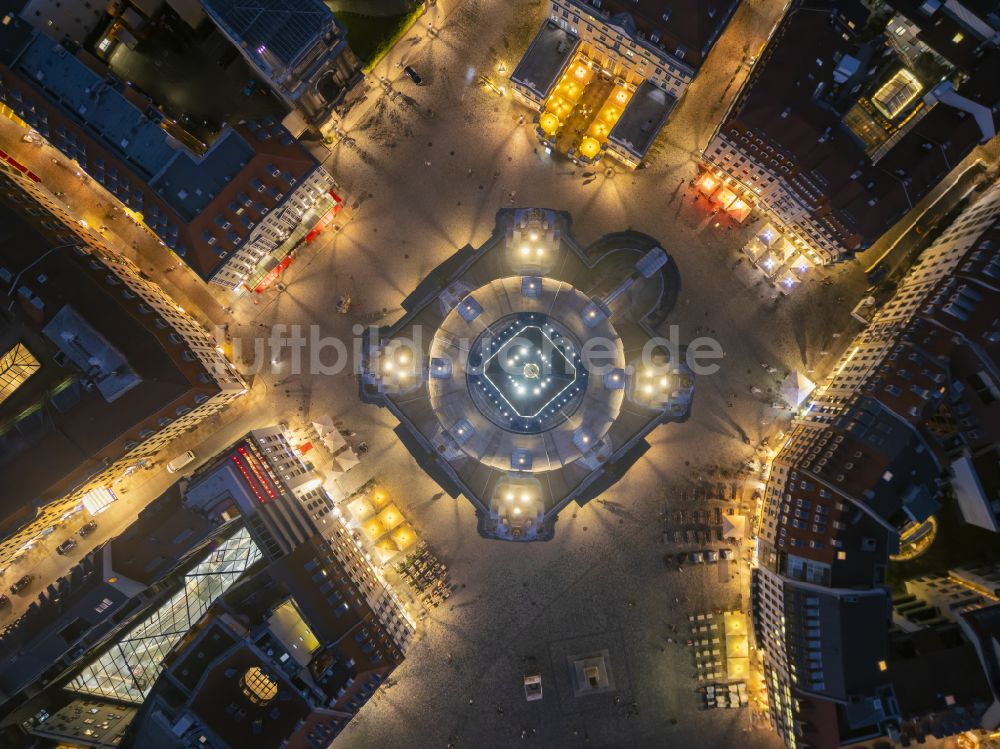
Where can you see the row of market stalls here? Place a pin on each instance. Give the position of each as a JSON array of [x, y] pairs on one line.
[[370, 509], [724, 197], [387, 530], [340, 456], [777, 257], [771, 251], [721, 646], [601, 126]]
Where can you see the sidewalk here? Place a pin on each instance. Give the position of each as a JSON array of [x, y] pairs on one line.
[[89, 201]]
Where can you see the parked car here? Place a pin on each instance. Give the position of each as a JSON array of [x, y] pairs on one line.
[[21, 584], [413, 75], [4, 602], [711, 556], [180, 461], [68, 545], [88, 528], [696, 557], [727, 554]]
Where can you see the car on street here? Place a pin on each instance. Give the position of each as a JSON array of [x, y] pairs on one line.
[[727, 554], [88, 528], [413, 75], [180, 461], [68, 545], [4, 602], [696, 557], [21, 584]]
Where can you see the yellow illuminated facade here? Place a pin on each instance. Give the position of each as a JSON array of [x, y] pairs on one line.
[[565, 102]]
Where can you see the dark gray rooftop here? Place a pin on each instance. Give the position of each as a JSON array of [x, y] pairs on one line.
[[281, 29], [190, 184], [642, 119], [91, 352], [546, 58], [126, 130]]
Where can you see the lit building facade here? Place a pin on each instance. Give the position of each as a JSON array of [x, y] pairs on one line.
[[908, 409], [235, 213], [137, 419]]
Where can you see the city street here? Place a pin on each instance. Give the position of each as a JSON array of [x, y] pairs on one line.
[[427, 167]]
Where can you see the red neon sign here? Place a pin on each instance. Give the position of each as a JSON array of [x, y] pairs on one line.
[[254, 478]]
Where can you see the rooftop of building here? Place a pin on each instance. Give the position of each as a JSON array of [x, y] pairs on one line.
[[304, 626], [935, 669], [501, 288], [61, 424], [642, 119], [163, 535], [548, 55], [850, 636], [982, 626], [795, 100], [273, 30], [86, 721], [125, 121], [955, 30], [221, 703], [686, 29]]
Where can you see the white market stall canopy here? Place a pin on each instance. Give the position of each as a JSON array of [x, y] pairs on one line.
[[796, 388]]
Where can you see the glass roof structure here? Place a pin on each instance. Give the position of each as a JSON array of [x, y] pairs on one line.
[[896, 93], [130, 667], [16, 366]]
